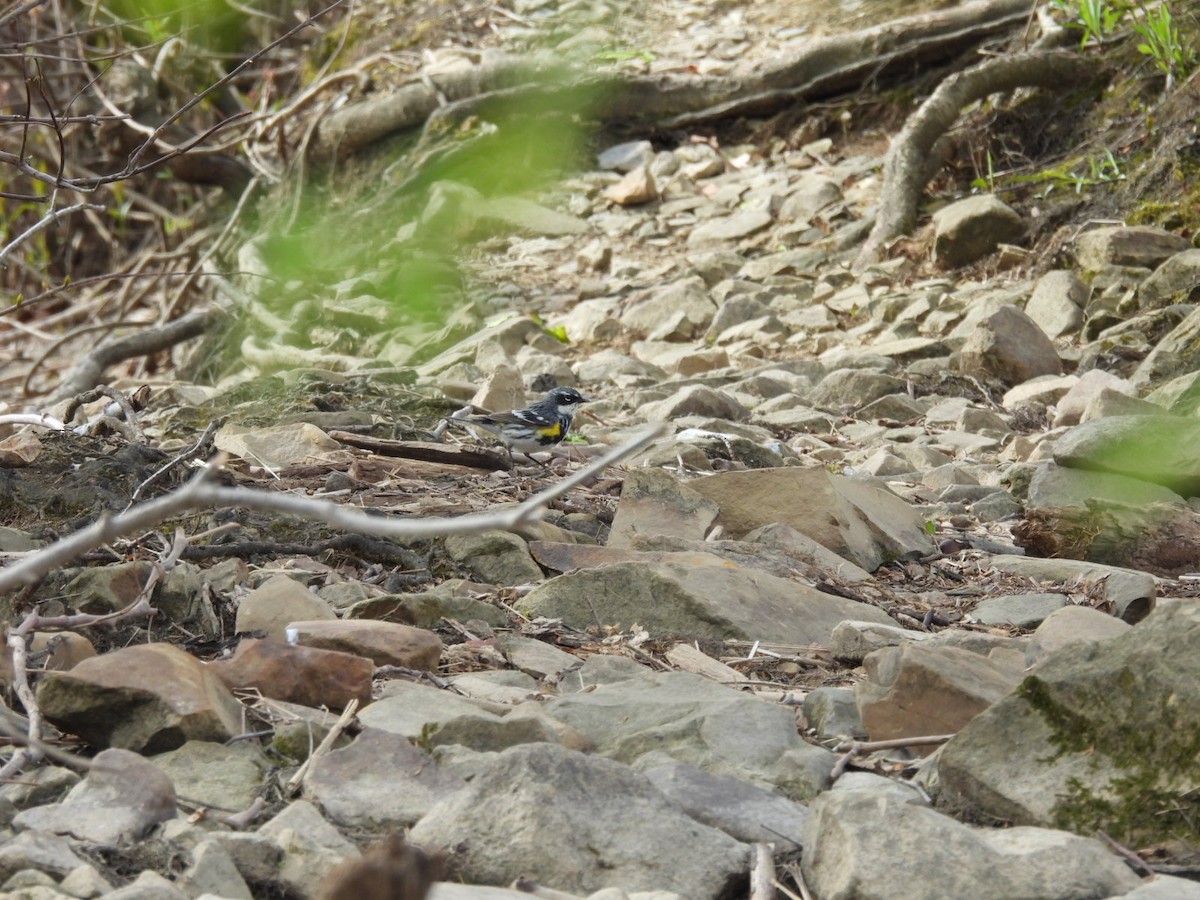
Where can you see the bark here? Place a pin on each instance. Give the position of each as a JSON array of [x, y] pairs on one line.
[[906, 170], [825, 68]]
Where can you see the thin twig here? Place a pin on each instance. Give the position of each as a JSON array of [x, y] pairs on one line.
[[297, 780], [47, 220], [762, 872], [199, 493]]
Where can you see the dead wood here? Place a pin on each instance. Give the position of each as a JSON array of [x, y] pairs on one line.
[[1159, 538], [826, 67], [426, 451], [906, 168]]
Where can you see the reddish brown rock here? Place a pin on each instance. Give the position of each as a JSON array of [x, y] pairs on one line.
[[306, 675], [147, 698], [386, 643]]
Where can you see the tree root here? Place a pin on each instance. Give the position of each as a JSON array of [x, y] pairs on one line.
[[827, 67], [906, 170]]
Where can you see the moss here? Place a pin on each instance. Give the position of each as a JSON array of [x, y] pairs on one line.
[[1155, 758]]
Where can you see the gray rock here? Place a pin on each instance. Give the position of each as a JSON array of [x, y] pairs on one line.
[[1126, 246], [380, 781], [277, 602], [626, 156], [730, 228], [681, 311], [1157, 449], [311, 847], [1058, 487], [1131, 593], [854, 388], [213, 872], [740, 809], [1165, 887], [693, 720], [608, 826], [1018, 610], [696, 400], [970, 229], [122, 797], [1058, 750], [497, 557], [707, 598], [148, 885], [1175, 281], [812, 193], [833, 714], [859, 860], [1071, 625], [1057, 302], [1010, 347], [1176, 353], [853, 640], [1070, 407], [39, 850], [85, 883], [654, 503], [225, 776]]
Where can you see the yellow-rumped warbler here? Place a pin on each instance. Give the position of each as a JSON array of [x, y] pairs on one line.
[[538, 426]]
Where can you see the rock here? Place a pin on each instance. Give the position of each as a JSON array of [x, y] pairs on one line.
[[222, 776], [122, 797], [740, 809], [39, 850], [635, 188], [280, 600], [696, 400], [653, 502], [1126, 246], [708, 598], [278, 446], [1165, 887], [1175, 281], [638, 719], [1018, 610], [105, 589], [1058, 749], [1057, 303], [1157, 449], [808, 551], [64, 650], [503, 389], [311, 847], [148, 885], [212, 872], [1071, 625], [833, 714], [854, 388], [1176, 353], [627, 156], [969, 229], [609, 827], [811, 194], [146, 698], [535, 658], [855, 518], [380, 781], [680, 311], [1055, 487], [455, 598], [1132, 594], [858, 859], [45, 784], [917, 690], [85, 883], [1071, 405], [305, 675], [384, 643], [498, 557], [729, 228], [852, 640], [1010, 347], [257, 859]]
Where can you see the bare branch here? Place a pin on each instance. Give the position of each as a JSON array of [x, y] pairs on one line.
[[199, 493]]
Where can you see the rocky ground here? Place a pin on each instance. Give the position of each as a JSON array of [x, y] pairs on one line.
[[903, 593]]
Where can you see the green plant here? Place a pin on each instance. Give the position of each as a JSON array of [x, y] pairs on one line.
[[1097, 19], [1101, 169], [986, 182], [1162, 42]]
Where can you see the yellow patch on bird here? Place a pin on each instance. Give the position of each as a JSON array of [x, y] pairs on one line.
[[551, 431]]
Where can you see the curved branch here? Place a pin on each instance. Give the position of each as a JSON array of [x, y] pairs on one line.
[[906, 170]]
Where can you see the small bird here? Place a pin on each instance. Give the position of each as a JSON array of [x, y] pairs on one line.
[[538, 426]]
